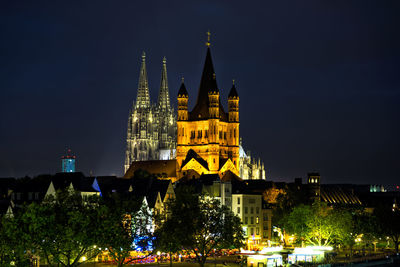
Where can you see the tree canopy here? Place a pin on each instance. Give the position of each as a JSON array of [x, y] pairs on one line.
[[199, 224]]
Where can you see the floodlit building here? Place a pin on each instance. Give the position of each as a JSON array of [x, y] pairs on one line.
[[207, 130], [256, 218], [151, 127], [68, 162]]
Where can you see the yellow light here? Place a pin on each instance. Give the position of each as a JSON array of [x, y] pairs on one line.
[[158, 253], [271, 249], [83, 258]]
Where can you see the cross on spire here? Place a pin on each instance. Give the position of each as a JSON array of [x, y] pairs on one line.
[[208, 38]]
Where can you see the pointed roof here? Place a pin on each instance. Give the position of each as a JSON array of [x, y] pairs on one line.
[[191, 154], [233, 93], [143, 97], [182, 91], [208, 84], [163, 95]]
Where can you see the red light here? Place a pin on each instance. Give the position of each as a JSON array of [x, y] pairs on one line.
[[397, 187]]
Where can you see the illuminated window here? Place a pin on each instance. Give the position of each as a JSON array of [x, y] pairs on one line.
[[257, 231], [257, 219]]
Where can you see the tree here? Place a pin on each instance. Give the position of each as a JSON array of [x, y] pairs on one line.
[[12, 245], [389, 224], [127, 226], [64, 228], [200, 224], [167, 238], [318, 224]]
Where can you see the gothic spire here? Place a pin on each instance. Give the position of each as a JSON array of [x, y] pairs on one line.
[[143, 97], [163, 95]]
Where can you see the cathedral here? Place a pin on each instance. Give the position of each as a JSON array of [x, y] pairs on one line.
[[203, 140], [151, 133], [207, 136]]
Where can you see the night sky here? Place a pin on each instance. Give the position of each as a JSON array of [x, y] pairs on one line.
[[318, 81]]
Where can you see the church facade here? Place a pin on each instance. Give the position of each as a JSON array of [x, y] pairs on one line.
[[151, 133], [207, 136]]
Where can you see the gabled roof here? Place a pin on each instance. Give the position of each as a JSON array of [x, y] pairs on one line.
[[112, 184], [5, 205], [160, 168], [334, 194], [5, 185], [79, 182], [229, 176], [208, 84], [193, 155]]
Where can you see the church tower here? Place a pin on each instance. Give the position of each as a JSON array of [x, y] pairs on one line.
[[151, 130], [166, 119], [142, 133], [208, 137]]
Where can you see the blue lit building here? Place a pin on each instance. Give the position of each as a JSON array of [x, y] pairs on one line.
[[68, 162]]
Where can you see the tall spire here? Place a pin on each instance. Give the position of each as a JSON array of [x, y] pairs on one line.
[[143, 97], [163, 95]]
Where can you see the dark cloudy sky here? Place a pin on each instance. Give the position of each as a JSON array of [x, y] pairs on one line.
[[318, 81]]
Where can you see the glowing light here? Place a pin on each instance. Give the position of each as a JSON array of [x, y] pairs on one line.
[[83, 258], [271, 249], [312, 250]]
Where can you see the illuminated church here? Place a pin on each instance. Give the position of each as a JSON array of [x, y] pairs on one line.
[[207, 137], [151, 127]]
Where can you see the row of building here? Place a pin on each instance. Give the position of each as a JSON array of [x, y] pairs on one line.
[[252, 200]]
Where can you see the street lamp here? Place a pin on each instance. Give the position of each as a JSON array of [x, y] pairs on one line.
[[158, 257]]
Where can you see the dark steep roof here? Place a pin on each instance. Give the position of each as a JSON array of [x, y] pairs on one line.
[[193, 155], [233, 93], [182, 90], [208, 84]]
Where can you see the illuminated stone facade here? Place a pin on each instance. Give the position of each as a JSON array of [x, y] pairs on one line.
[[209, 133], [250, 168], [151, 133]]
